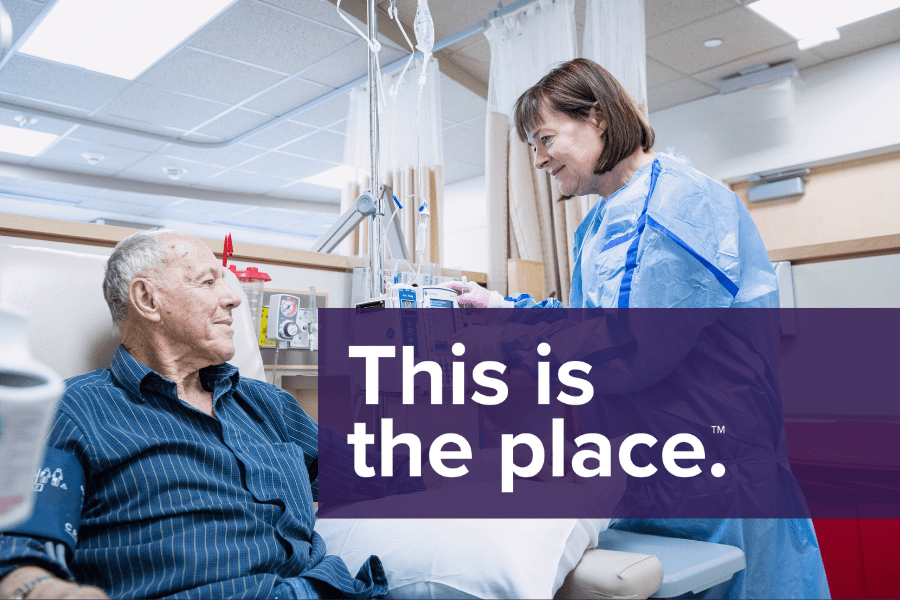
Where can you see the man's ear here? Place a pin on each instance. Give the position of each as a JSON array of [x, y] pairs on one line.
[[143, 296]]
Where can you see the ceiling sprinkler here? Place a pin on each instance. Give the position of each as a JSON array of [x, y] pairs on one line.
[[173, 173], [92, 157]]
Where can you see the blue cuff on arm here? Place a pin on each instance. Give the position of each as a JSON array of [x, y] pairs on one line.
[[51, 532]]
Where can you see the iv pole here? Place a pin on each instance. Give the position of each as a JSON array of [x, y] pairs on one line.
[[376, 246]]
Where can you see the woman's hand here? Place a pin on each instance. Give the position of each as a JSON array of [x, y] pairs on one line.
[[473, 295]]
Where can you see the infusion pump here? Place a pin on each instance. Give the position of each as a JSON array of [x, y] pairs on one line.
[[401, 295]]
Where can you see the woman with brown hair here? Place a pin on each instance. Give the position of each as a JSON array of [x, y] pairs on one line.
[[663, 235]]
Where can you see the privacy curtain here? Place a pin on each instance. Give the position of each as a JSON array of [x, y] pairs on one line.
[[614, 37], [410, 154], [525, 220]]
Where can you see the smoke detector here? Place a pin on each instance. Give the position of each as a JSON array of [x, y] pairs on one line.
[[92, 157]]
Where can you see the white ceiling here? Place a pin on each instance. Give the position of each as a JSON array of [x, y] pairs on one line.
[[260, 59]]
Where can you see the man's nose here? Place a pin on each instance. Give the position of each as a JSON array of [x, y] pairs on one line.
[[541, 158], [230, 299]]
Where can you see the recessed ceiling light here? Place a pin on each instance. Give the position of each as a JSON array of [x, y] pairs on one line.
[[805, 18], [26, 142], [336, 177], [712, 43], [117, 37]]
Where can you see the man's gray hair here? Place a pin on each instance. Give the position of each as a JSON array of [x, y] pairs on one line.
[[140, 253]]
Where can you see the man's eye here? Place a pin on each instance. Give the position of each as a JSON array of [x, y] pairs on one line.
[[209, 282]]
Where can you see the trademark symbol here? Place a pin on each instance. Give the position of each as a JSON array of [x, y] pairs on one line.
[[718, 428]]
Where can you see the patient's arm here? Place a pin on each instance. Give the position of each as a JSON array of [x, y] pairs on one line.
[[47, 588]]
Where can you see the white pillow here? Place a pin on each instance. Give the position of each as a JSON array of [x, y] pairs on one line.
[[486, 558]]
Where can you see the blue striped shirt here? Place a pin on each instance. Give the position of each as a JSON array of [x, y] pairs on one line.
[[179, 503]]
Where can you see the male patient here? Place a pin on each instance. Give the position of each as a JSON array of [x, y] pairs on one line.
[[199, 483]]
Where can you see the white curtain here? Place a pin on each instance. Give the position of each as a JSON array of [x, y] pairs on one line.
[[614, 37], [524, 218], [410, 153]]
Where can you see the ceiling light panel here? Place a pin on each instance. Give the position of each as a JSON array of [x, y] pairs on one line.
[[805, 18], [336, 177], [26, 142], [121, 38]]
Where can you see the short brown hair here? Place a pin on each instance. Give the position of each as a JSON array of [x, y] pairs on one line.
[[573, 89]]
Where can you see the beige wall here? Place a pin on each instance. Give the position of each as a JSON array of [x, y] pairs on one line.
[[844, 204]]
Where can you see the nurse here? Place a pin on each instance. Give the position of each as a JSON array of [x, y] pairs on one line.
[[664, 235]]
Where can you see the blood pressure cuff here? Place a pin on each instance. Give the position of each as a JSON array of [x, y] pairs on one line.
[[58, 499]]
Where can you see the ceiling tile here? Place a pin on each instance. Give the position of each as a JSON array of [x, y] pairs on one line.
[[479, 69], [152, 105], [317, 10], [205, 75], [279, 134], [308, 191], [68, 151], [326, 113], [151, 169], [348, 63], [234, 123], [460, 104], [227, 157], [677, 92], [218, 209], [60, 84], [153, 200], [56, 189], [113, 138], [323, 145], [262, 35], [478, 52], [741, 30], [658, 73], [266, 217], [665, 15], [174, 214], [781, 54], [288, 95], [241, 181], [70, 167], [286, 166], [863, 35], [464, 144], [340, 126], [114, 206], [22, 13], [458, 171]]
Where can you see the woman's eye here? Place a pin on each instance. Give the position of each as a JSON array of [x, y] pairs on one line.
[[545, 140]]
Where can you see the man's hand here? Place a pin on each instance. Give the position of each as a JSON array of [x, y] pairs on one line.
[[48, 588]]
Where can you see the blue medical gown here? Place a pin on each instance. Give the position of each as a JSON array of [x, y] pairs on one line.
[[673, 237]]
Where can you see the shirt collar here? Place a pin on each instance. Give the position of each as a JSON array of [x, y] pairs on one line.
[[133, 376]]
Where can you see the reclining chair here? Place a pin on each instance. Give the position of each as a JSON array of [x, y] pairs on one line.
[[72, 332]]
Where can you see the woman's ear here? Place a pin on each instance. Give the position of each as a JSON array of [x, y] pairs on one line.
[[597, 120], [143, 297]]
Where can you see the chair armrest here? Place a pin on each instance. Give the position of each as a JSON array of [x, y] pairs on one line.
[[612, 574]]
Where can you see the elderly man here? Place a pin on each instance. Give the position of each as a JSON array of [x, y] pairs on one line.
[[199, 483]]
